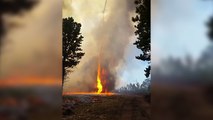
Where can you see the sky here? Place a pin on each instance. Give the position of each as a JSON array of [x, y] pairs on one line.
[[178, 28], [132, 71]]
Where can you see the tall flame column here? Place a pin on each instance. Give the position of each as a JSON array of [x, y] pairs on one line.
[[99, 84]]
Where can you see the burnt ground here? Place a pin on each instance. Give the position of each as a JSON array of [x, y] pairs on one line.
[[100, 107]]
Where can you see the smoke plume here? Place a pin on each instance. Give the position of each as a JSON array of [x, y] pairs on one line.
[[105, 41]]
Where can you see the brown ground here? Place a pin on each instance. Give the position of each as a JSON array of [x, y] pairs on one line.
[[98, 107]]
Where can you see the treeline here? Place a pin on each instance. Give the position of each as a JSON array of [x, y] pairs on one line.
[[186, 70], [136, 88]]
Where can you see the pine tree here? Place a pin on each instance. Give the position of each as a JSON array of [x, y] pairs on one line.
[[142, 20], [72, 40]]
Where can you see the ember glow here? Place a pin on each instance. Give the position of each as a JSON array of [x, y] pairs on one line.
[[99, 83]]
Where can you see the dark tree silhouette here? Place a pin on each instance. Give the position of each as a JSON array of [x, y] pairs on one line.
[[13, 7], [72, 39], [142, 20], [210, 27]]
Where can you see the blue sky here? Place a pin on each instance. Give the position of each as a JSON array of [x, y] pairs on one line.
[[133, 69], [178, 28]]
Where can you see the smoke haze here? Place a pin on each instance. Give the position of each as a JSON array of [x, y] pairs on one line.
[[33, 47]]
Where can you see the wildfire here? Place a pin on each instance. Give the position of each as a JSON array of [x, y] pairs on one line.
[[99, 84]]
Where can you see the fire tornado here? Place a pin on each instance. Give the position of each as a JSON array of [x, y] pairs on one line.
[[99, 84]]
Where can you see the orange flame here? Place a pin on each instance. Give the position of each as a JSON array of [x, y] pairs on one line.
[[99, 84]]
